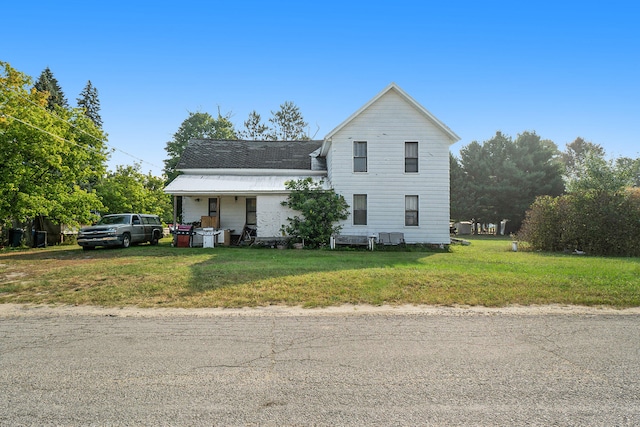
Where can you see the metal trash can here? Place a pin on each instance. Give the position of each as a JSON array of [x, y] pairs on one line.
[[15, 237], [184, 233]]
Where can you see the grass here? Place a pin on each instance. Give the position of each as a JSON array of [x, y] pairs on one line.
[[485, 273]]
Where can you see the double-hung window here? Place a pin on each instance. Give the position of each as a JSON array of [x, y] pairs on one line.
[[359, 156], [359, 209], [411, 157], [411, 211]]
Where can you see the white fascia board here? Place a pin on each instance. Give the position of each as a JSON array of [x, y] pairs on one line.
[[253, 172]]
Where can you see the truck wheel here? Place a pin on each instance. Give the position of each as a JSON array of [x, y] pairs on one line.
[[154, 239], [126, 240]]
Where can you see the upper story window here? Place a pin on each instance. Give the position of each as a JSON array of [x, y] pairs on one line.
[[359, 156], [411, 210], [359, 209], [411, 157]]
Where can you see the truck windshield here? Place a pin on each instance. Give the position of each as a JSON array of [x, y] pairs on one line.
[[114, 219]]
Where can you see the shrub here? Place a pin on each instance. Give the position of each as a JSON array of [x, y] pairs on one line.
[[597, 222], [319, 208]]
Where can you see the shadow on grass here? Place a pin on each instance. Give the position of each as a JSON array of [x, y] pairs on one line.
[[254, 265], [228, 266], [164, 249]]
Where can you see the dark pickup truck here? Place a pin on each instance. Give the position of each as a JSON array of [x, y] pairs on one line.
[[121, 230]]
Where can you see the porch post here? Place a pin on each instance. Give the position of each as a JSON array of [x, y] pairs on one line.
[[175, 218]]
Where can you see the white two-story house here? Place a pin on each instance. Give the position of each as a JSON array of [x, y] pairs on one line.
[[390, 160]]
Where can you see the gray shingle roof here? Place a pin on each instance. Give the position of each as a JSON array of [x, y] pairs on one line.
[[232, 154]]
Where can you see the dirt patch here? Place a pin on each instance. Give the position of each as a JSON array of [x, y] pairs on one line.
[[18, 310]]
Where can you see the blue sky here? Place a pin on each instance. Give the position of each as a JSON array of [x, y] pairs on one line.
[[562, 69]]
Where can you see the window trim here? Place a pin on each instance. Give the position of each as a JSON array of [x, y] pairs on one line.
[[365, 210], [365, 157], [411, 211], [254, 212], [417, 157], [217, 211]]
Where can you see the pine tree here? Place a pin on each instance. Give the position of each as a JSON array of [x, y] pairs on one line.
[[89, 101], [48, 83], [254, 129], [288, 123]]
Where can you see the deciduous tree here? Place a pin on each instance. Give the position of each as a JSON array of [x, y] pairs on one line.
[[197, 125], [575, 154], [319, 209], [599, 175], [48, 160], [129, 190]]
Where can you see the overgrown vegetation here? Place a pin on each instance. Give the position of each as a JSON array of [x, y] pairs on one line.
[[598, 223], [599, 216]]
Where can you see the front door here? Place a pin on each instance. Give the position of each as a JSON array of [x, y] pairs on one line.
[[214, 213], [251, 216]]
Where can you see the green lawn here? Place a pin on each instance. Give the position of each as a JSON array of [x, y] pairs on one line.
[[485, 273]]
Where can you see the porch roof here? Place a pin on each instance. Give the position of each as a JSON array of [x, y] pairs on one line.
[[230, 184]]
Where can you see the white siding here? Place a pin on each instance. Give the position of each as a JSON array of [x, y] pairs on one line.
[[386, 125], [271, 215], [233, 213], [192, 210]]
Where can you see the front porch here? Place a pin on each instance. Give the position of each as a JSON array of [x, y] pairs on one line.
[[243, 217], [234, 202]]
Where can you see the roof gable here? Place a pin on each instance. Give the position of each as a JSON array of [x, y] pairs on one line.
[[240, 154], [393, 87]]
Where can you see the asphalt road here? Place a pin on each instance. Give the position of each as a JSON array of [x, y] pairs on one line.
[[319, 368]]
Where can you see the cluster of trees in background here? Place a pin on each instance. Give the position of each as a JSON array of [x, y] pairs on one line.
[[571, 200], [500, 178]]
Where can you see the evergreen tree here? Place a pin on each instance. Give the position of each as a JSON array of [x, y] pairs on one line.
[[254, 129], [288, 123], [461, 198], [89, 101], [48, 83], [502, 177]]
